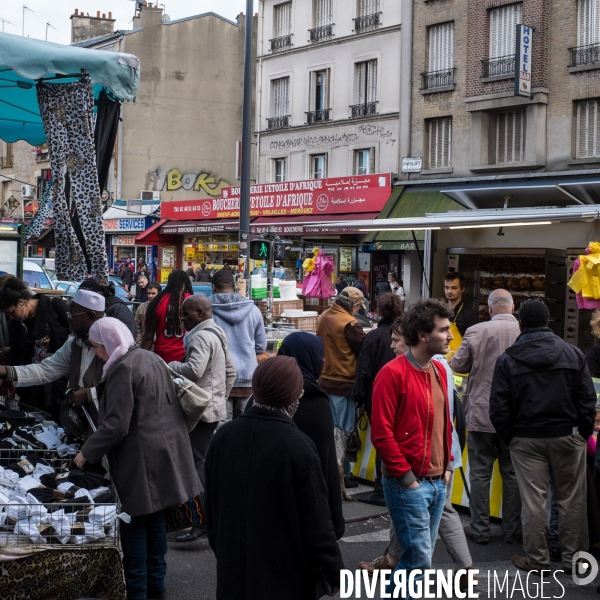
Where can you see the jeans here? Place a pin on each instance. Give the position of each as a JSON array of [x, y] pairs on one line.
[[236, 407], [416, 514], [144, 543], [343, 409]]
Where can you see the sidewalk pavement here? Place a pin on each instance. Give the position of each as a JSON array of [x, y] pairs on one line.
[[359, 511]]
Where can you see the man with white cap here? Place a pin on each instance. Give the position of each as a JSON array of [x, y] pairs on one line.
[[75, 358]]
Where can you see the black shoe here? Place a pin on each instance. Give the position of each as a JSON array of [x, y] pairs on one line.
[[162, 595], [195, 533], [350, 482], [376, 497], [555, 554]]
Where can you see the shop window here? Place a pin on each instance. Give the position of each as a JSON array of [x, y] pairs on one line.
[[364, 161], [503, 27], [588, 129], [510, 137], [440, 143], [318, 166], [279, 169]]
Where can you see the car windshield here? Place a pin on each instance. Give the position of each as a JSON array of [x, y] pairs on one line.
[[36, 279]]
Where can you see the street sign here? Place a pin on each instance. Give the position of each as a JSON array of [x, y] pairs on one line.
[[523, 61], [260, 249], [412, 164]]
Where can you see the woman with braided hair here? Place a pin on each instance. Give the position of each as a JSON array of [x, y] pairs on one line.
[[163, 325]]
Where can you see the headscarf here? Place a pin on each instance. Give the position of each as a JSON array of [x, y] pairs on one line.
[[277, 385], [307, 350], [114, 336]]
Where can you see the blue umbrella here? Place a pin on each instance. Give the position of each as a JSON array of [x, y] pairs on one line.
[[24, 60]]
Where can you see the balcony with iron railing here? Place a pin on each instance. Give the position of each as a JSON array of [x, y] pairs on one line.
[[366, 109], [321, 34], [501, 66], [438, 80], [318, 116], [367, 23], [281, 43], [278, 122], [585, 56]]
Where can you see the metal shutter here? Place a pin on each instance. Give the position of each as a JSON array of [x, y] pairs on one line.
[[588, 132], [281, 94], [440, 143], [588, 22], [367, 7], [323, 13], [503, 27], [511, 136], [441, 47], [283, 19]]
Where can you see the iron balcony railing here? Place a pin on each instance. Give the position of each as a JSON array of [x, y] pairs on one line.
[[367, 22], [364, 110], [437, 79], [278, 122], [321, 34], [318, 116], [281, 43], [502, 65], [584, 55]]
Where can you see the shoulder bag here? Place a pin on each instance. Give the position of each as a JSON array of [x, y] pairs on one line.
[[192, 397]]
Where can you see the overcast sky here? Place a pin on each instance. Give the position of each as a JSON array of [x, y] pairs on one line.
[[57, 13]]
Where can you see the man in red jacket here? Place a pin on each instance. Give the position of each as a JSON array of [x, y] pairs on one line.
[[412, 432]]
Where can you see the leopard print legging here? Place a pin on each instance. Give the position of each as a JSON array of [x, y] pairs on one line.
[[67, 113]]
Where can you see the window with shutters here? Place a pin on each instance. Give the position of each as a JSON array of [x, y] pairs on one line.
[[366, 89], [280, 100], [367, 15], [588, 130], [364, 161], [440, 143], [503, 30], [587, 51], [510, 144], [323, 29], [282, 26], [440, 64], [6, 154]]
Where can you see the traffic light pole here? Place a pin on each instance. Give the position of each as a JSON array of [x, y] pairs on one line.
[[244, 235]]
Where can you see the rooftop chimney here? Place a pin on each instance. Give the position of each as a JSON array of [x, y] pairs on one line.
[[76, 11], [84, 27]]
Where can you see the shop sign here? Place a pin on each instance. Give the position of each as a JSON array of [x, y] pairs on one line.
[[412, 165], [124, 225], [296, 229], [193, 228], [353, 194], [523, 61], [123, 240]]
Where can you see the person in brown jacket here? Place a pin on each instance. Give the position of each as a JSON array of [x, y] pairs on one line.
[[481, 346], [342, 337]]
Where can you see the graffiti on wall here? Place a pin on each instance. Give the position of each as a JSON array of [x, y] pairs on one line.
[[172, 180]]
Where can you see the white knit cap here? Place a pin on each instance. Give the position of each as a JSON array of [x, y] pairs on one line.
[[90, 300]]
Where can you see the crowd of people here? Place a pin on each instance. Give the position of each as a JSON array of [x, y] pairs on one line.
[[261, 464]]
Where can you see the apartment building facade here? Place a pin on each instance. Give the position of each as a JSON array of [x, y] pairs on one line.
[[328, 88]]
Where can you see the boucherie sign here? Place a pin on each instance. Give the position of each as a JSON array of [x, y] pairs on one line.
[[355, 194]]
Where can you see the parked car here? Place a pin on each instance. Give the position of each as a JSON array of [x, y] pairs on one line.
[[36, 275], [70, 288], [202, 288]]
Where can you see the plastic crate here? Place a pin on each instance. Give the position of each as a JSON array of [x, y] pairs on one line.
[[280, 306]]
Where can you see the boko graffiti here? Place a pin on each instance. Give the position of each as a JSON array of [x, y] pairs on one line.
[[172, 180]]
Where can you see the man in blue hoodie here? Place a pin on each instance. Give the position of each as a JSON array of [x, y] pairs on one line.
[[242, 322]]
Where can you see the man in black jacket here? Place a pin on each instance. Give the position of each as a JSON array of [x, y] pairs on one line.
[[543, 404]]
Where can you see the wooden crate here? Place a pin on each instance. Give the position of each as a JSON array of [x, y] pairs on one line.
[[318, 304], [302, 323], [279, 306]]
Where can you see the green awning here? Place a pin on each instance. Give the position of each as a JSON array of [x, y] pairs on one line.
[[410, 204]]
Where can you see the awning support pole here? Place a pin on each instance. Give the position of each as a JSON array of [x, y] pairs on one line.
[[421, 260]]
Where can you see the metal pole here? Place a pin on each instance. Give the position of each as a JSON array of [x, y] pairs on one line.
[[244, 235], [270, 274]]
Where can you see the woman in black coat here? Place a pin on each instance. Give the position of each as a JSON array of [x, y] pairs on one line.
[[314, 416], [38, 327], [267, 509]]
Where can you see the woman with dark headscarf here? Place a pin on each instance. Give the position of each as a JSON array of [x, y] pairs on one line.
[[314, 417], [267, 508]]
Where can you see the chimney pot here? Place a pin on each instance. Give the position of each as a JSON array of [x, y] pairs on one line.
[[104, 15], [110, 15], [76, 11], [97, 14]]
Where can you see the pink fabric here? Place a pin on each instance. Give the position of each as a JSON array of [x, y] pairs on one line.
[[114, 336], [591, 446], [318, 284]]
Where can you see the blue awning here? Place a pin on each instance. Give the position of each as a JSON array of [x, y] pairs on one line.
[[24, 60]]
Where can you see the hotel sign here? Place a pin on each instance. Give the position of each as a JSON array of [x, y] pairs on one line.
[[523, 61]]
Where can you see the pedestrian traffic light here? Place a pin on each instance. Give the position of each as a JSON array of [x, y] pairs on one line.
[[260, 249], [281, 249]]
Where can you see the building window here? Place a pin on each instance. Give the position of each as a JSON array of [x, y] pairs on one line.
[[319, 97], [282, 26], [364, 161], [280, 100], [587, 50], [588, 131], [6, 154], [42, 183], [440, 143], [279, 169], [323, 29], [511, 137], [318, 166], [368, 15], [366, 89], [503, 29], [440, 66]]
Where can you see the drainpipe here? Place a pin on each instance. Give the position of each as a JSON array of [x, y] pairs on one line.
[[405, 83], [259, 89]]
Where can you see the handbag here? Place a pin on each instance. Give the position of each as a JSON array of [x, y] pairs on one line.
[[353, 442], [192, 397], [184, 515], [72, 419]]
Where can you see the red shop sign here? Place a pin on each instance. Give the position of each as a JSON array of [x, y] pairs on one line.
[[354, 194]]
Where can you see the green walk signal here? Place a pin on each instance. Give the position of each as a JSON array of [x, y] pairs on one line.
[[260, 249]]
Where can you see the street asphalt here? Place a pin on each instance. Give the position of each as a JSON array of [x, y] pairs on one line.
[[191, 571]]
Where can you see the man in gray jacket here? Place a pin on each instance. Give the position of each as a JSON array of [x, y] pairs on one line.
[[481, 346], [207, 363]]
